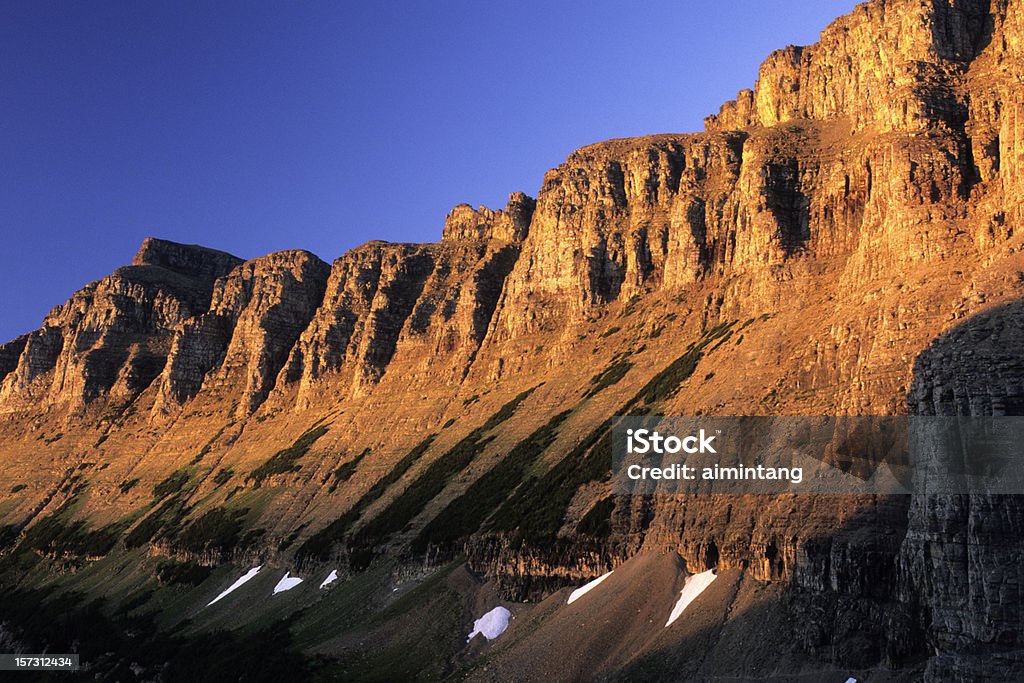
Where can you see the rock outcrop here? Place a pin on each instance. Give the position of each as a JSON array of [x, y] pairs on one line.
[[508, 225], [958, 559], [111, 338], [888, 66], [410, 305], [256, 315]]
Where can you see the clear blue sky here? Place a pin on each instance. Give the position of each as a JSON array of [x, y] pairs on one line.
[[256, 126]]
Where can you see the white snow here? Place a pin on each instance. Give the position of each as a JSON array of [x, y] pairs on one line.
[[331, 578], [286, 583], [237, 584], [583, 590], [851, 680], [492, 624], [693, 587]]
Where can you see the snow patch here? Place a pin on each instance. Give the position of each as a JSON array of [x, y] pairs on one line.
[[694, 586], [331, 578], [583, 590], [286, 583], [851, 680], [237, 584], [492, 624]]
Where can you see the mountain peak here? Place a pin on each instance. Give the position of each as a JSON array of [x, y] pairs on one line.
[[509, 224], [186, 259], [889, 64]]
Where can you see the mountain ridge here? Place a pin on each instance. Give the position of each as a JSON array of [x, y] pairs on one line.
[[820, 248]]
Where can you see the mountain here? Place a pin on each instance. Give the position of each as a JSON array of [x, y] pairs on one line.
[[433, 420]]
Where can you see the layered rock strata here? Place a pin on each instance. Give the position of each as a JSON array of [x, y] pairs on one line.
[[842, 239]]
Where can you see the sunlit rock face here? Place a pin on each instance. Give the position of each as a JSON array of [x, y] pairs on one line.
[[111, 339], [841, 239]]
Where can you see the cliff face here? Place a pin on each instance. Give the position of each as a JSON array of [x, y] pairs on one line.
[[888, 66], [112, 337], [256, 315], [961, 555], [840, 240]]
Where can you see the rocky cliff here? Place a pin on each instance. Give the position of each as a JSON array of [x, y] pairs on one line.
[[840, 240]]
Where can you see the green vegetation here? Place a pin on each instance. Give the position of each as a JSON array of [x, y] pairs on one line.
[[397, 515], [399, 470], [134, 602], [128, 485], [54, 536], [169, 515], [434, 479], [420, 654], [223, 476], [267, 654], [291, 538], [613, 374], [172, 572], [286, 459], [217, 530], [464, 515], [507, 410], [536, 511], [174, 483], [666, 383], [128, 646], [598, 520], [319, 545], [57, 535], [139, 618], [8, 536], [209, 444], [345, 470], [422, 490], [18, 487]]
